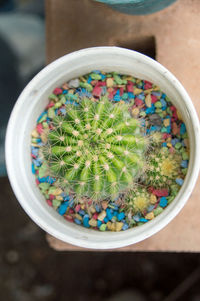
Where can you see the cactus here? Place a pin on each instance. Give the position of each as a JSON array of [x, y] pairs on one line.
[[162, 168], [137, 200], [97, 149]]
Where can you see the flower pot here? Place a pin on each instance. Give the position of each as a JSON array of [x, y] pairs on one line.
[[31, 103], [137, 7]]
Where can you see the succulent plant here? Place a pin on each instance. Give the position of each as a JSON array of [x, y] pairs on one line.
[[97, 149], [137, 199], [163, 167]]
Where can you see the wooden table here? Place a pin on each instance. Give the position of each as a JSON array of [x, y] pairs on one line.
[[173, 37]]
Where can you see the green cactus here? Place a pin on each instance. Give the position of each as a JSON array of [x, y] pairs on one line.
[[97, 149], [162, 168], [137, 200]]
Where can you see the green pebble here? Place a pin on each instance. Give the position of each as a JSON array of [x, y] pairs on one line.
[[140, 224], [71, 96], [44, 186], [167, 99], [114, 219], [56, 203], [51, 113], [124, 82], [164, 130], [157, 211], [185, 156], [103, 227], [95, 76], [45, 125], [62, 99], [125, 96], [158, 104], [43, 118], [86, 86], [42, 170], [184, 171], [185, 135], [170, 199], [178, 145], [169, 111], [143, 114], [53, 97], [118, 79], [52, 189], [58, 105]]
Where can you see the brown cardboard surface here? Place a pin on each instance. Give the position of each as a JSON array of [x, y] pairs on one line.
[[175, 35]]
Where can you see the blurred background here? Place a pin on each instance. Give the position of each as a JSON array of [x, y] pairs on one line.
[[29, 269]]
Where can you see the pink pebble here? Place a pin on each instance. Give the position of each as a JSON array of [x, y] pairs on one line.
[[160, 192], [147, 85], [150, 189], [101, 84], [51, 197], [50, 105], [165, 136], [37, 181], [39, 128], [138, 102], [89, 202], [153, 98], [172, 150], [121, 91], [97, 91], [33, 156], [71, 211], [49, 202], [130, 88], [77, 208], [57, 91], [111, 94], [175, 129], [95, 215], [69, 218]]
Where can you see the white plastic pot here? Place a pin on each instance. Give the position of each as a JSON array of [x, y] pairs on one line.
[[31, 103]]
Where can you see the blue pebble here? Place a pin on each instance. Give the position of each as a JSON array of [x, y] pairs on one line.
[[33, 169], [99, 223], [150, 208], [77, 221], [156, 93], [34, 151], [71, 203], [182, 128], [168, 129], [125, 226], [117, 96], [65, 92], [37, 162], [109, 214], [120, 216], [163, 202], [89, 80], [50, 180], [164, 144], [42, 180], [179, 181], [141, 96], [136, 217], [150, 110], [98, 209], [174, 141], [63, 208], [81, 212], [86, 220], [103, 76], [67, 198], [163, 102], [131, 95], [106, 220], [63, 111], [143, 220], [184, 163], [163, 95], [115, 213]]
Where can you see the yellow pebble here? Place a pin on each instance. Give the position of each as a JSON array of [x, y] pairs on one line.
[[113, 227], [83, 79], [109, 82], [82, 206], [102, 215], [92, 209], [166, 122], [93, 222], [78, 217], [135, 112], [71, 91], [119, 226], [179, 115], [153, 199], [44, 137], [169, 144], [148, 100], [59, 198], [149, 215], [57, 191], [35, 144], [104, 205], [148, 91], [109, 225], [137, 91], [35, 134]]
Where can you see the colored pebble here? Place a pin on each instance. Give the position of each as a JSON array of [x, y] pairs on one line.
[[157, 114]]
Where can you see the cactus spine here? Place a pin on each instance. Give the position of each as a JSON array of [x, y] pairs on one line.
[[97, 149]]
